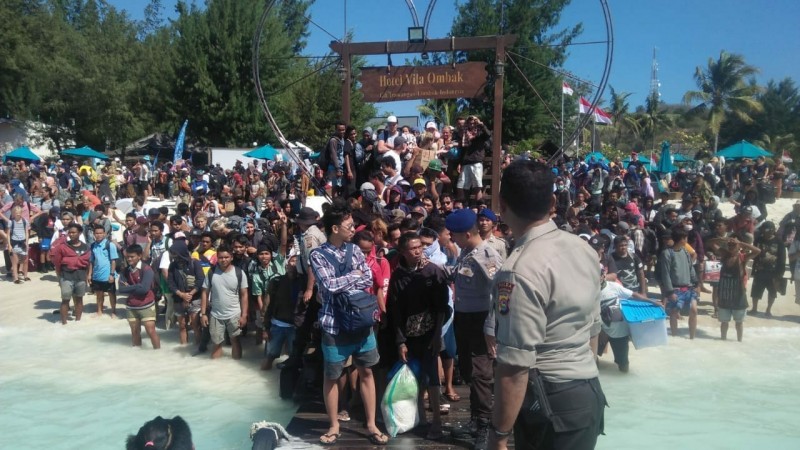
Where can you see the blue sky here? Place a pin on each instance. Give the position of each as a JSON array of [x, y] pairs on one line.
[[686, 33]]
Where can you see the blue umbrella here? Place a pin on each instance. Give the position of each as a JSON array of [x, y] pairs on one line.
[[678, 158], [21, 153], [646, 162], [665, 163], [263, 152], [596, 157], [743, 149], [84, 152]]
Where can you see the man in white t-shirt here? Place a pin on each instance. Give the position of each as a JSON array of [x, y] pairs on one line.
[[386, 139]]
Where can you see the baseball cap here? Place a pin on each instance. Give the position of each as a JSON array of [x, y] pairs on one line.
[[399, 140], [419, 210], [597, 242], [367, 186], [435, 165], [391, 119], [153, 212], [430, 124], [420, 181]]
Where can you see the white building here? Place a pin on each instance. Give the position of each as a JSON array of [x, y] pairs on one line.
[[14, 134]]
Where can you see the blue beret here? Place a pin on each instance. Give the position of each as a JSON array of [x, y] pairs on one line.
[[461, 220], [489, 214]]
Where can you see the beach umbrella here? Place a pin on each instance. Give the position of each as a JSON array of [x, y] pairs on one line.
[[646, 162], [665, 162], [21, 154], [84, 152], [743, 149], [596, 157], [263, 152], [678, 158]]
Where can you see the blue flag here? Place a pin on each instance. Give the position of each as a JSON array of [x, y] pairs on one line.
[[179, 143]]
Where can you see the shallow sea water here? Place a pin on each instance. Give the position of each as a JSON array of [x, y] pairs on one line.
[[83, 386], [707, 393]]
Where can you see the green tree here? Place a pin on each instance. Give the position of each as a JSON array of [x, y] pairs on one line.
[[542, 46], [443, 112], [621, 116], [723, 91]]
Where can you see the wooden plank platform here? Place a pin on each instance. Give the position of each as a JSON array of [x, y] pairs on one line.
[[310, 422]]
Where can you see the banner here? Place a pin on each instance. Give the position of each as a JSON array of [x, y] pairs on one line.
[[600, 116], [467, 80], [179, 142]]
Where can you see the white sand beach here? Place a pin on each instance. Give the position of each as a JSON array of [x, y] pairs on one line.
[[82, 385]]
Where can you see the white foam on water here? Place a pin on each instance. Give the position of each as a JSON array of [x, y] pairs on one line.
[[83, 386], [706, 393]]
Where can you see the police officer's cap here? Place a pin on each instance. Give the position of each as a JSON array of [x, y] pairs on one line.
[[489, 214], [461, 220]]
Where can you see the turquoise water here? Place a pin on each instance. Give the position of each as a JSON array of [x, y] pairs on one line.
[[83, 386], [707, 393]]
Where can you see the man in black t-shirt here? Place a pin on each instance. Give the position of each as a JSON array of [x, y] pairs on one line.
[[630, 270]]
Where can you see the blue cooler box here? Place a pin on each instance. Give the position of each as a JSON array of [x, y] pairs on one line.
[[647, 322]]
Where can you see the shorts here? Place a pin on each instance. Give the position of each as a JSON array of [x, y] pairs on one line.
[[72, 288], [471, 176], [684, 301], [429, 363], [20, 248], [449, 350], [217, 328], [143, 315], [762, 283], [278, 337], [336, 350], [336, 181], [104, 286], [726, 314], [180, 310]]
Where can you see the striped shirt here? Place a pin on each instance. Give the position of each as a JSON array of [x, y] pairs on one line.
[[329, 284]]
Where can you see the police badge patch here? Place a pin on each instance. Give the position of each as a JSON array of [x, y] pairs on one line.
[[504, 289]]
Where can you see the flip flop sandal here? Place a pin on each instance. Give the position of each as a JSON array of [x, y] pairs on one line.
[[344, 416], [334, 438], [454, 397], [18, 281], [377, 439]]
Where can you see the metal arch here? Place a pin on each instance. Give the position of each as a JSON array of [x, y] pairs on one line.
[[256, 49], [428, 15], [413, 10], [603, 81]]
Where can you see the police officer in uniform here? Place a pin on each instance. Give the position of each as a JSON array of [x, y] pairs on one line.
[[487, 221], [473, 275], [545, 301]]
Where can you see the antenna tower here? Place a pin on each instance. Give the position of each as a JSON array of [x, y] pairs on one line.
[[655, 85]]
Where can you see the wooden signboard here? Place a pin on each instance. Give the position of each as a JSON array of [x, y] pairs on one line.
[[467, 80]]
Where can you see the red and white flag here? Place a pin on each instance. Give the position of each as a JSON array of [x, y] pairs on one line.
[[600, 116], [566, 89]]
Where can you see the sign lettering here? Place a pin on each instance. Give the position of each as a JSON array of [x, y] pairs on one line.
[[467, 80]]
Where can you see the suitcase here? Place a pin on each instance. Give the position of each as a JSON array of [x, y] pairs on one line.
[[34, 253]]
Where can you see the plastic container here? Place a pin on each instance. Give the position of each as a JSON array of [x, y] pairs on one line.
[[647, 323]]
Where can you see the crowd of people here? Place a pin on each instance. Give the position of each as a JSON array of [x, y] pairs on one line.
[[406, 262]]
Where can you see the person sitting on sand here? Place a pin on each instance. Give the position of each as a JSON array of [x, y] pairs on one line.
[[732, 282], [162, 434]]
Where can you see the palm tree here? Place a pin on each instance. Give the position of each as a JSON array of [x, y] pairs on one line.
[[778, 144], [723, 90], [441, 111], [620, 114], [651, 121]]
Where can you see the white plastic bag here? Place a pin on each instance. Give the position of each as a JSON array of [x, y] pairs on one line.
[[399, 403]]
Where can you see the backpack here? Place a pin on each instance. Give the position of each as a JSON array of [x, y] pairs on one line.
[[354, 311], [239, 276], [650, 247]]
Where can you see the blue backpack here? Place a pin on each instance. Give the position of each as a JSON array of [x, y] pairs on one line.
[[354, 311]]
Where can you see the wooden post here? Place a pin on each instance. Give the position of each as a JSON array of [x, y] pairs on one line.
[[346, 85], [497, 128]]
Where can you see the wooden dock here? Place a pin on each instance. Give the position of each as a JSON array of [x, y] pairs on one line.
[[310, 422]]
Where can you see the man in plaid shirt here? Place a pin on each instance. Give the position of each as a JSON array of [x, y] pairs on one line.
[[337, 345]]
